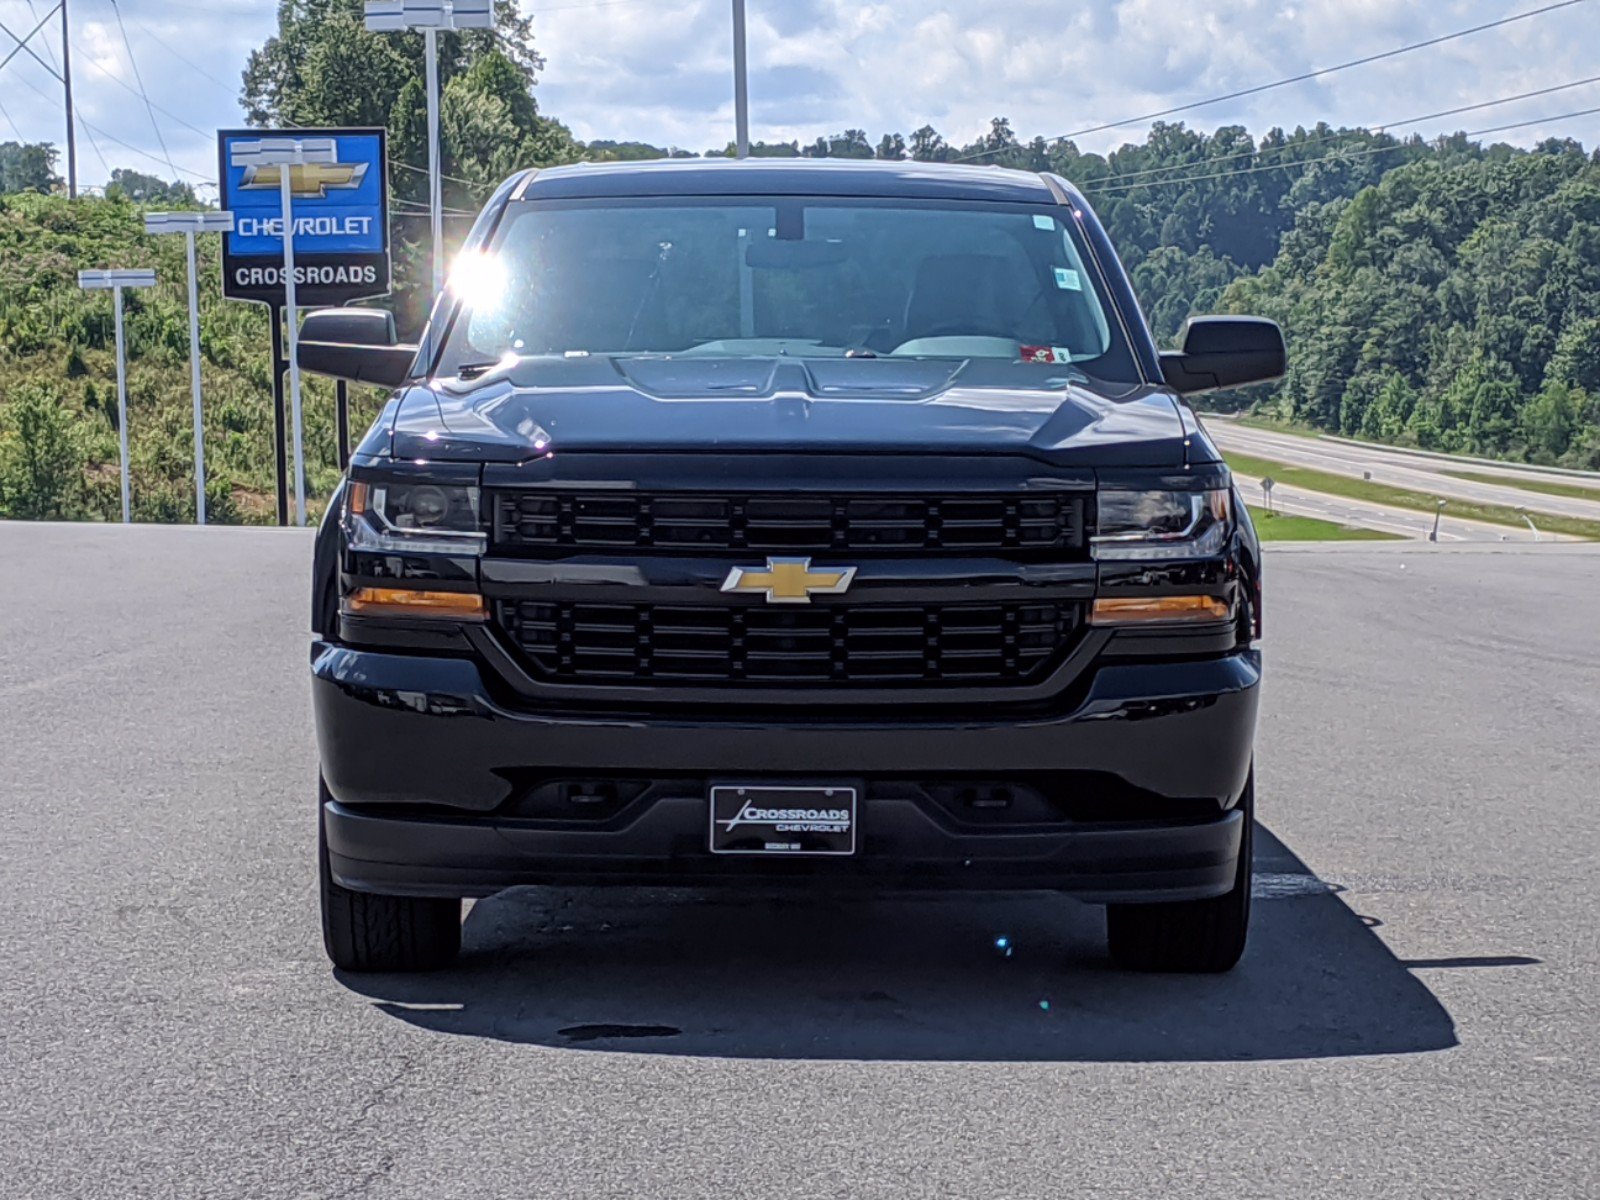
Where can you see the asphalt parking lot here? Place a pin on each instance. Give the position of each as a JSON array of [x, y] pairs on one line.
[[1415, 1015]]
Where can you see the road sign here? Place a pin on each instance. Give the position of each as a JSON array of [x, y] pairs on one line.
[[1266, 492], [340, 198]]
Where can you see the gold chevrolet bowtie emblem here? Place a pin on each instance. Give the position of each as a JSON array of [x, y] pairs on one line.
[[789, 580], [306, 179]]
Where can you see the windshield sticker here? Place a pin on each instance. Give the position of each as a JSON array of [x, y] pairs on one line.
[[1045, 354], [1040, 221], [1067, 280]]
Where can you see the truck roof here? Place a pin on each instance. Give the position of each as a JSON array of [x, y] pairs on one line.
[[783, 177]]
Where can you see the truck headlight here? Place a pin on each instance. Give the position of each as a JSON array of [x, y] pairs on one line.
[[1160, 525], [408, 518]]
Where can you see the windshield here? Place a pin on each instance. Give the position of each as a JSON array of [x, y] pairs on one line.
[[786, 276]]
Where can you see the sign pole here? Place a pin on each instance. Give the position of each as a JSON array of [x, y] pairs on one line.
[[280, 429], [741, 92], [189, 224], [430, 16], [430, 38], [122, 405], [194, 388], [285, 187], [341, 404], [114, 281]]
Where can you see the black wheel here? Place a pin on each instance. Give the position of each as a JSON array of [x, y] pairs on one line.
[[1197, 936], [366, 932]]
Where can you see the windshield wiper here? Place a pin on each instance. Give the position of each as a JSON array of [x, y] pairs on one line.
[[474, 370]]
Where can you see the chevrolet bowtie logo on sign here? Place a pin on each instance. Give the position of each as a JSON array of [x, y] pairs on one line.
[[789, 580], [306, 179]]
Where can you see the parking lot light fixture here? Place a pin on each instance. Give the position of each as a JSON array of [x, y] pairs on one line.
[[431, 16], [189, 224], [114, 281]]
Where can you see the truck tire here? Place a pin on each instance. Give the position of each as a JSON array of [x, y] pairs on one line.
[[364, 932], [1193, 936]]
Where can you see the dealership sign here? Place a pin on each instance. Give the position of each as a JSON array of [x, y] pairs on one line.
[[340, 206]]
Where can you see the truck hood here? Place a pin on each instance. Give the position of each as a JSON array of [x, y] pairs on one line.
[[527, 408]]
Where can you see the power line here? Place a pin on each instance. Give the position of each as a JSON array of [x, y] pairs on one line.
[[49, 52], [82, 120], [132, 62], [179, 55], [3, 113], [1301, 78], [395, 162], [132, 91], [1337, 156], [1585, 112], [95, 146], [1328, 137]]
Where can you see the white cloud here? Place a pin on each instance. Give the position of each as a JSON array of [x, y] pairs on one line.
[[660, 70]]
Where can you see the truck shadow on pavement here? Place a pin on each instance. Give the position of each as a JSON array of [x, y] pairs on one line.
[[912, 978]]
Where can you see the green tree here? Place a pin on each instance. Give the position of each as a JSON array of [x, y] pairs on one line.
[[928, 146], [41, 457], [28, 167], [150, 189], [1549, 420]]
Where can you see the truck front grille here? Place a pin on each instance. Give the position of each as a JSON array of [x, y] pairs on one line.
[[956, 644], [534, 520]]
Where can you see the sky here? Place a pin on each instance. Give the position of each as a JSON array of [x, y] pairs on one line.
[[660, 70]]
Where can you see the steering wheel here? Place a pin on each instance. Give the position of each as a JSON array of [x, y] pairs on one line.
[[961, 329]]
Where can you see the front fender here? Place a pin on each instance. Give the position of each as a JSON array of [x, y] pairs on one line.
[[325, 570]]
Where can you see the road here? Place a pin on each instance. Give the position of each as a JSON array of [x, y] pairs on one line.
[[1415, 1014], [1401, 522], [1403, 468]]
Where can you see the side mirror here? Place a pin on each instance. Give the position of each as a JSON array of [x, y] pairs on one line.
[[1225, 352], [357, 344]]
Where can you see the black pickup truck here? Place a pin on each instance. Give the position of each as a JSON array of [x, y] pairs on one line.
[[787, 524]]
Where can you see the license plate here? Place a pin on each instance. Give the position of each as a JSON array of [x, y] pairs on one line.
[[765, 819]]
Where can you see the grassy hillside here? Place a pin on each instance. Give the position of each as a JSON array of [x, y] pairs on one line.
[[58, 395], [1453, 306]]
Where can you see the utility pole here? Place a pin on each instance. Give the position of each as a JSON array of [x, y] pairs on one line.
[[63, 76], [66, 81], [741, 97]]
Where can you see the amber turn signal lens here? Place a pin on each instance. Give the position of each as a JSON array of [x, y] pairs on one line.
[[403, 602], [1154, 610], [358, 497]]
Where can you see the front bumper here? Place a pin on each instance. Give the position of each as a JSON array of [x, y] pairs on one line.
[[424, 764]]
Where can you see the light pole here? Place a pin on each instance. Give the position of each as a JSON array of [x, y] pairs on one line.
[[114, 281], [1437, 513], [430, 16], [285, 154], [741, 95], [189, 224]]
